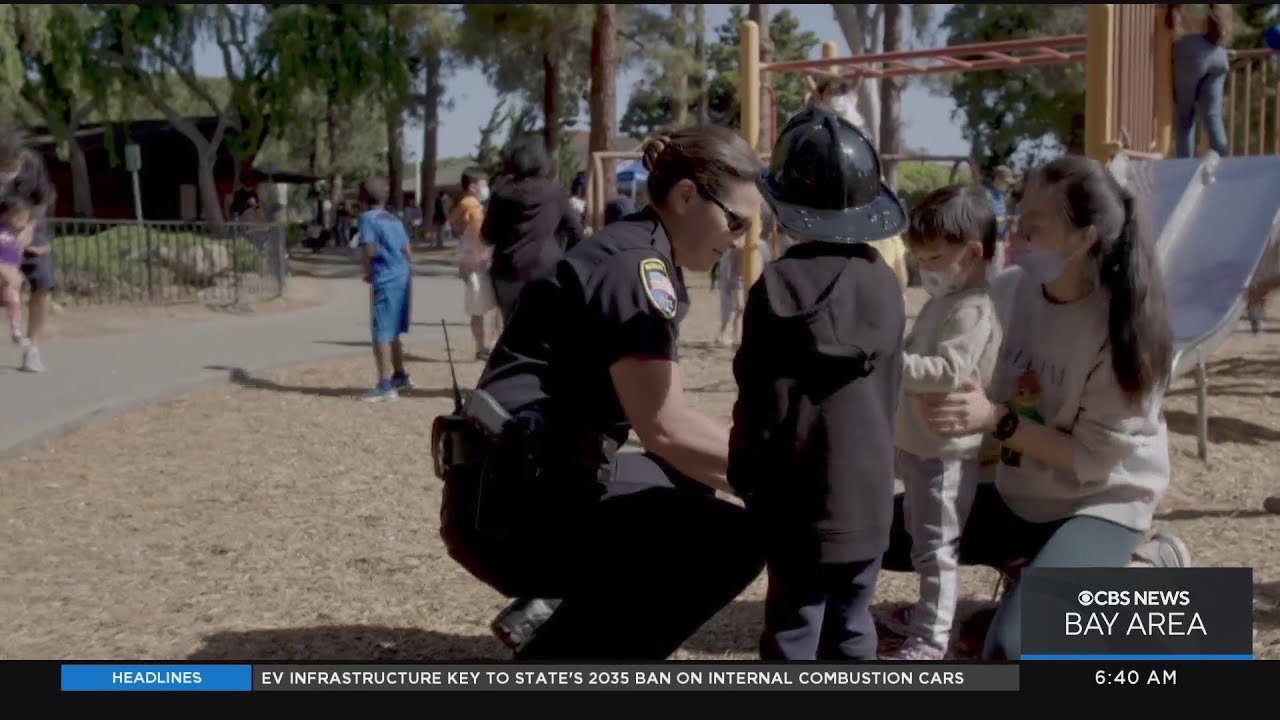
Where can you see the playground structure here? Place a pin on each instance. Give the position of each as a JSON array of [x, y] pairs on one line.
[[1127, 52]]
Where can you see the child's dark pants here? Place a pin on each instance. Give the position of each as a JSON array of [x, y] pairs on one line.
[[819, 611]]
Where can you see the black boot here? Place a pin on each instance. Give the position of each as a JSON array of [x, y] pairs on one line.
[[516, 625]]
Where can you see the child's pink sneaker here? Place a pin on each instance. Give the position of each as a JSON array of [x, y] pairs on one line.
[[917, 649], [898, 620]]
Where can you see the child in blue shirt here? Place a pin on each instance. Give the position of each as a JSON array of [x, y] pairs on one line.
[[387, 269]]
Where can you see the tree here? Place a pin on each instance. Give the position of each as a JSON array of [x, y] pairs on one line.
[[891, 96], [1030, 110], [700, 61], [57, 81], [436, 41], [604, 70], [136, 44], [680, 73], [648, 108], [508, 40], [325, 49]]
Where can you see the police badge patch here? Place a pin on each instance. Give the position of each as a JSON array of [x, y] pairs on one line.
[[658, 287]]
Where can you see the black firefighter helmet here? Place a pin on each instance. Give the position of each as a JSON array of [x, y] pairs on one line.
[[824, 182]]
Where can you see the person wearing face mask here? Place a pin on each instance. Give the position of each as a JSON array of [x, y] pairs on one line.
[[530, 221], [1087, 347], [955, 337], [609, 555], [475, 257], [818, 372]]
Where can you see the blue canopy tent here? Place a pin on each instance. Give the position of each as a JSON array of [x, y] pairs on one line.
[[630, 176]]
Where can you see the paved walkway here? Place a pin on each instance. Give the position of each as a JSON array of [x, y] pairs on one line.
[[90, 378]]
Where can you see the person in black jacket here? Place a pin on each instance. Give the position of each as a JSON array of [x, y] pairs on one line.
[[529, 221], [818, 375]]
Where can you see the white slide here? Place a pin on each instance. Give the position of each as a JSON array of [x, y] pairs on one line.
[[1214, 220]]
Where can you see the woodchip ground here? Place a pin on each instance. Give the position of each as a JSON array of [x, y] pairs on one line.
[[277, 518]]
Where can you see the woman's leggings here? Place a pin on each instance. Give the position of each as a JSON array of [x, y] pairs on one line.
[[996, 537], [1199, 76]]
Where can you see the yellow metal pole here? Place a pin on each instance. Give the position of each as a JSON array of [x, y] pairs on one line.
[[1099, 81], [750, 123], [1164, 82], [829, 50]]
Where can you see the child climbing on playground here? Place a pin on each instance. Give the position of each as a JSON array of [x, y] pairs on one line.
[[25, 192], [818, 374], [955, 338]]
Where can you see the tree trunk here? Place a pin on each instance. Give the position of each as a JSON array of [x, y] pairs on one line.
[[395, 155], [891, 96], [858, 24], [760, 14], [81, 187], [210, 203], [604, 67], [551, 100], [680, 81], [430, 133], [336, 191], [700, 53]]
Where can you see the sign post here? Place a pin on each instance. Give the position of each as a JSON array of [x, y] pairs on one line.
[[133, 163]]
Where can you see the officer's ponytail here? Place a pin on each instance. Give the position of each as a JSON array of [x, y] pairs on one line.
[[1139, 330], [708, 155]]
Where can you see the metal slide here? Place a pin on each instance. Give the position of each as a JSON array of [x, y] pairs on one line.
[[1214, 219]]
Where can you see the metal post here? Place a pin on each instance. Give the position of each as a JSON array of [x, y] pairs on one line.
[[1099, 81], [1202, 409], [1164, 82], [750, 121]]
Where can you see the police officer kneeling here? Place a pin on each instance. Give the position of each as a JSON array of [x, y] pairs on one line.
[[636, 548]]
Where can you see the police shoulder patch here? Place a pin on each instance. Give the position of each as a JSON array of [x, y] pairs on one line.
[[658, 287]]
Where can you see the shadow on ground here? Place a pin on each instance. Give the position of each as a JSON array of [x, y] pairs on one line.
[[349, 643], [1222, 429], [243, 378], [409, 357], [1233, 513], [1266, 605], [736, 629]]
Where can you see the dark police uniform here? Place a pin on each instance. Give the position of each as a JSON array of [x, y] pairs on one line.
[[639, 556]]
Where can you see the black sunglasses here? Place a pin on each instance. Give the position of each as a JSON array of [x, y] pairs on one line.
[[737, 223]]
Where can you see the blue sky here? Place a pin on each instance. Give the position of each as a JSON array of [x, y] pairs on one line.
[[926, 117]]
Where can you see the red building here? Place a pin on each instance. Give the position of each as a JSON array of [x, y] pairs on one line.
[[167, 180]]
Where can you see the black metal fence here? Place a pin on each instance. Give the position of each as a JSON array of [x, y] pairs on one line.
[[102, 262]]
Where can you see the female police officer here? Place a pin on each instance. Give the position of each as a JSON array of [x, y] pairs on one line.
[[636, 547]]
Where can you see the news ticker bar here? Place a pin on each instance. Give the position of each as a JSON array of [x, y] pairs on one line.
[[1083, 672], [534, 678]]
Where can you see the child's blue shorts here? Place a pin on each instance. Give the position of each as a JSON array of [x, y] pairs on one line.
[[391, 305]]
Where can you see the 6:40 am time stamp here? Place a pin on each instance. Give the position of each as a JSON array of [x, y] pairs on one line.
[[1131, 676]]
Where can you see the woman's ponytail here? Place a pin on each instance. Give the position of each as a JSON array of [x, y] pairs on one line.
[[1138, 318]]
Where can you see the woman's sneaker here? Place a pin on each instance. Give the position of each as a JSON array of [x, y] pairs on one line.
[[381, 393], [1163, 550], [916, 649], [898, 620]]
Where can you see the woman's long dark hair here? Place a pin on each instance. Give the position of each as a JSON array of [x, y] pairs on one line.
[[1138, 321]]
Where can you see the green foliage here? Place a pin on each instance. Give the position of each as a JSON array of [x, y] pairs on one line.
[[116, 260], [917, 179], [649, 107], [1006, 112]]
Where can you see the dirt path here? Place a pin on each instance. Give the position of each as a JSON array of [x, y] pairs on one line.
[[277, 518]]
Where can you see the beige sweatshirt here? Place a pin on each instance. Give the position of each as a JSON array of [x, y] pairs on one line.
[[1055, 366], [955, 338]]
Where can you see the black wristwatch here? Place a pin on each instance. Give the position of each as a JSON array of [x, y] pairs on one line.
[[1008, 424]]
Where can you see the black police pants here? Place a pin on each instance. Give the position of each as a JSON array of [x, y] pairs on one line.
[[819, 611], [656, 560]]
